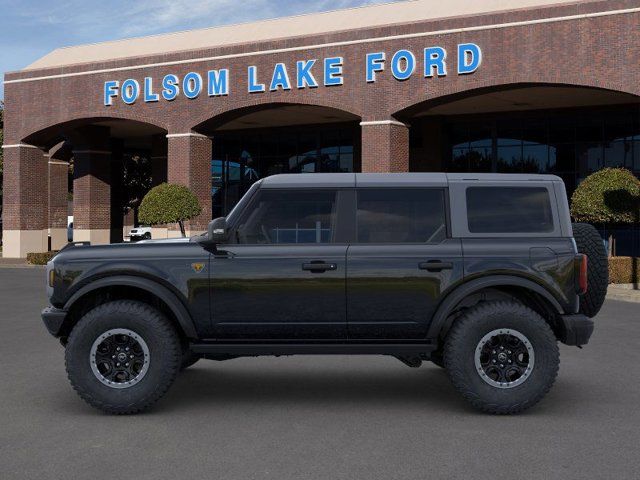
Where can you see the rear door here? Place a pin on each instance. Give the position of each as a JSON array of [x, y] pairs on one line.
[[401, 262]]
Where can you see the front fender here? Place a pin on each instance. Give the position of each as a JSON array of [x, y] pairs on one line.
[[163, 293]]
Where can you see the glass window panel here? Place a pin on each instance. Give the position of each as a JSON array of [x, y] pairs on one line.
[[292, 216], [480, 159], [562, 130], [509, 210], [401, 216], [588, 129], [346, 162], [619, 126], [460, 160], [589, 156], [459, 135], [618, 154], [535, 132], [535, 159], [565, 157], [509, 159], [509, 133]]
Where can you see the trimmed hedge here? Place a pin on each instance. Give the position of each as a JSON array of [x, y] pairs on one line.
[[40, 258], [621, 270]]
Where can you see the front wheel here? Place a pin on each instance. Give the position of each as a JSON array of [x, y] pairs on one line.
[[502, 357], [122, 356]]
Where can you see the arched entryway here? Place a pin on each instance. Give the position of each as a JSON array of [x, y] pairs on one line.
[[258, 141], [92, 172]]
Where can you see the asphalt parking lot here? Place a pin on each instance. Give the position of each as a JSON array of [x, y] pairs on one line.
[[315, 417]]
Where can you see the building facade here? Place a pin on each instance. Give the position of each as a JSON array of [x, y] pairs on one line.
[[548, 87]]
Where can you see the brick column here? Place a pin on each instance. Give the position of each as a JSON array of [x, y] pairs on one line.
[[189, 164], [92, 196], [58, 189], [91, 184], [385, 146], [25, 209], [59, 157], [158, 159]]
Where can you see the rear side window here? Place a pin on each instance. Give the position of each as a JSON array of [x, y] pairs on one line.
[[509, 210], [388, 215]]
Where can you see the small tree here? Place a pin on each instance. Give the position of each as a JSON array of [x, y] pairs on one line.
[[609, 196], [169, 203]]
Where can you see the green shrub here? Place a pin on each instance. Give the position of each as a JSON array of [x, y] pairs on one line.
[[621, 270], [40, 258], [611, 195], [169, 203]]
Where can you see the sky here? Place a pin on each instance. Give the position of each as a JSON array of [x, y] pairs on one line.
[[30, 29]]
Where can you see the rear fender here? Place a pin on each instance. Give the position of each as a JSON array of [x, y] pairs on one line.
[[441, 322]]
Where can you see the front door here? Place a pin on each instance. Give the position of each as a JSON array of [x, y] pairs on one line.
[[283, 274], [401, 263]]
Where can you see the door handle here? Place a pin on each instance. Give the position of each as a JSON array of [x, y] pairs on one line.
[[435, 266], [319, 267]]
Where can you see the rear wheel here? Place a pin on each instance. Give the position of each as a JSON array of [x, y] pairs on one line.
[[502, 357], [122, 356], [589, 243]]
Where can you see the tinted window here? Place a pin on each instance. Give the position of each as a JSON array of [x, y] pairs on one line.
[[401, 216], [291, 216], [509, 210]]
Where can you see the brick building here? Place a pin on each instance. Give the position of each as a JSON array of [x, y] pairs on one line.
[[545, 86]]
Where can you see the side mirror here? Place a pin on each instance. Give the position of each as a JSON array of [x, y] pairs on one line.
[[217, 230]]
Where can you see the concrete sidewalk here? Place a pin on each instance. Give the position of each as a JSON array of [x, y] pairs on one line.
[[626, 292]]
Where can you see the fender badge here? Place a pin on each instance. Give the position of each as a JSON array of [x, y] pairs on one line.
[[197, 267]]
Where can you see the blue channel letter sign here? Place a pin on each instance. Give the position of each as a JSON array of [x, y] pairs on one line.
[[308, 73]]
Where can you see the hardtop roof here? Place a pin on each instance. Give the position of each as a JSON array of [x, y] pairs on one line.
[[417, 179]]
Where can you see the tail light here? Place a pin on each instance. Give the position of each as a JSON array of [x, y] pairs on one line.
[[582, 261]]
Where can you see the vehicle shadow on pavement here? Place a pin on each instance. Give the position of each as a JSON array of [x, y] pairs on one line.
[[428, 387]]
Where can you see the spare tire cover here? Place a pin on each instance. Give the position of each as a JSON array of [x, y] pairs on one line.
[[590, 244]]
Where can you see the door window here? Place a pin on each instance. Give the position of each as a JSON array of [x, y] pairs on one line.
[[401, 215], [290, 216]]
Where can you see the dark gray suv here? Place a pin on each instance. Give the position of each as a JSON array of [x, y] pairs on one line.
[[482, 274]]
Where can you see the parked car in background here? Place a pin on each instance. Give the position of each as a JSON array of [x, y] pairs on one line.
[[69, 228], [140, 233]]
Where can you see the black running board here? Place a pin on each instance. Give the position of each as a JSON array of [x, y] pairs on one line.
[[255, 349]]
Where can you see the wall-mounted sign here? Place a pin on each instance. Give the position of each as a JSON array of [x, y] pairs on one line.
[[311, 73]]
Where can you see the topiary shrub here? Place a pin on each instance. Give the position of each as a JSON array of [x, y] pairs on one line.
[[609, 196], [169, 203], [40, 258]]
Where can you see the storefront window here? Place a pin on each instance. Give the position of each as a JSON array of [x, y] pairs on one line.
[[242, 157], [569, 143]]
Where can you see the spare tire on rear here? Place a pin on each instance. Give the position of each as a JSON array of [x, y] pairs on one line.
[[590, 244]]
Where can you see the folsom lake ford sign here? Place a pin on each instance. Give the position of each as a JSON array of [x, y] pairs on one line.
[[310, 73]]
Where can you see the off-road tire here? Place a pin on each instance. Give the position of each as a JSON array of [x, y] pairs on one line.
[[590, 243], [465, 336], [164, 352]]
